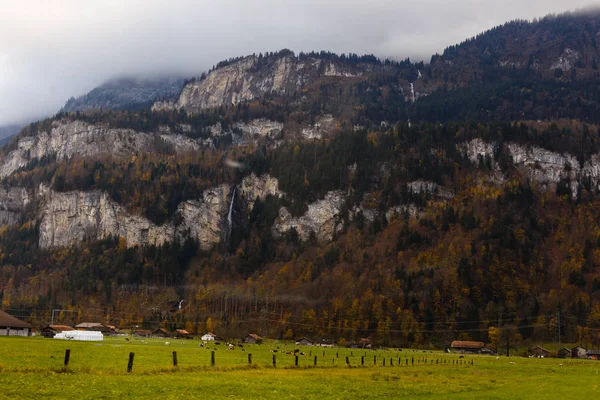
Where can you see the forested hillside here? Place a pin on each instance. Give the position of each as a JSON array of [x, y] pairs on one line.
[[410, 203]]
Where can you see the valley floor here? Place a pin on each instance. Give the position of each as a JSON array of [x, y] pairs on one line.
[[33, 368]]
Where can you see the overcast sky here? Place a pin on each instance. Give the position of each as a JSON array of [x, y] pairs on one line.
[[51, 50]]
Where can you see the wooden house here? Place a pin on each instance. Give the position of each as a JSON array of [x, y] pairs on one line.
[[207, 337], [160, 333], [539, 352], [467, 346], [252, 338], [11, 326], [564, 353], [141, 333], [51, 330], [579, 352], [304, 342], [182, 334], [93, 327]]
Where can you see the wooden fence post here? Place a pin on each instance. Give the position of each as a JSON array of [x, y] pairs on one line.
[[274, 361], [384, 361], [347, 361], [362, 361], [174, 358], [212, 358], [249, 358], [315, 361], [296, 361], [130, 364], [67, 356]]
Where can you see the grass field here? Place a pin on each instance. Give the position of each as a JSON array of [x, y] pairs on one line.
[[33, 368]]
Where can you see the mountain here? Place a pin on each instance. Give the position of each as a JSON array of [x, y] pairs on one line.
[[126, 94], [8, 131], [335, 196]]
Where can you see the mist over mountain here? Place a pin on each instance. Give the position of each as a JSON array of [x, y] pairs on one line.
[[126, 94]]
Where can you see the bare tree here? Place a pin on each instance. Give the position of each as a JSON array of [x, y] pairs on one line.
[[508, 338]]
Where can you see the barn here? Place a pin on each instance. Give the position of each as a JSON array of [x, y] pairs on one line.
[[579, 352], [304, 342], [539, 352], [252, 338], [51, 330], [11, 326], [467, 346], [160, 333]]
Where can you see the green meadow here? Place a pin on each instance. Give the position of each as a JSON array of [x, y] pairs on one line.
[[34, 368]]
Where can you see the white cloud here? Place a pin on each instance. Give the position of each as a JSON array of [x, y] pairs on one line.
[[53, 49]]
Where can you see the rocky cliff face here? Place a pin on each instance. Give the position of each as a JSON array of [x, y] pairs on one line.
[[323, 218], [13, 201], [546, 167], [248, 133], [253, 187], [67, 139], [251, 78], [72, 217]]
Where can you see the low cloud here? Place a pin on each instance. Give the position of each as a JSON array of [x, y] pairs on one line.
[[52, 50]]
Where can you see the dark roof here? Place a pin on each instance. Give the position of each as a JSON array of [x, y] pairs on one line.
[[465, 344], [182, 331], [7, 320], [58, 328], [142, 332], [90, 325], [304, 338], [160, 330]]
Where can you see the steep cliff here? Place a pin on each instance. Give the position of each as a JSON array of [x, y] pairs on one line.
[[13, 201], [253, 187], [253, 77], [67, 139], [323, 219], [72, 217]]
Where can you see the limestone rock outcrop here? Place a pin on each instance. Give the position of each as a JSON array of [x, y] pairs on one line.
[[323, 218], [67, 139]]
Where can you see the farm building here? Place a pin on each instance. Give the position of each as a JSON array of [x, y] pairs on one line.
[[92, 327], [466, 346], [564, 353], [160, 333], [539, 352], [593, 354], [486, 350], [579, 352], [51, 330], [209, 336], [182, 334], [11, 326], [305, 342], [141, 333], [252, 338]]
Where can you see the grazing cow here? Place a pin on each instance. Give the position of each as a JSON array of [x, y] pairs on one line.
[[167, 343]]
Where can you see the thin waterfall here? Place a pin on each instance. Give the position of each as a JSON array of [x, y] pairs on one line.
[[229, 219]]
